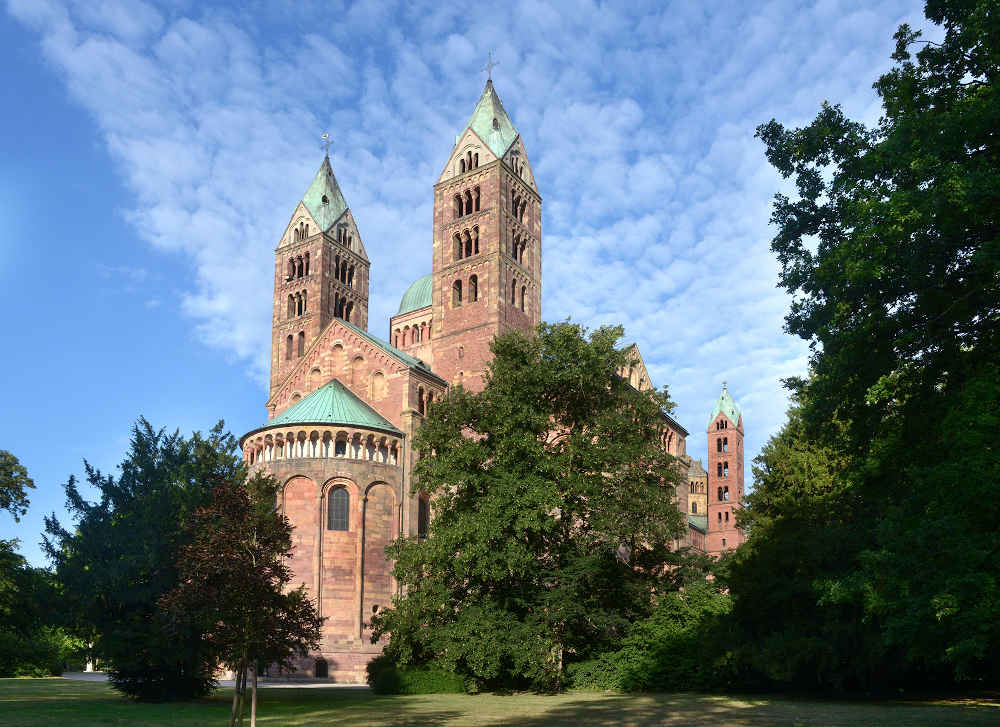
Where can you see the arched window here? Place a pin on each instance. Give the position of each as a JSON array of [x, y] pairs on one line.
[[725, 444], [725, 469], [513, 292], [338, 508], [718, 468], [468, 156], [473, 289], [475, 240], [322, 669], [457, 254], [291, 268], [456, 294], [298, 268], [719, 493], [307, 263], [468, 202], [725, 492], [420, 401], [289, 342], [305, 300], [477, 199], [423, 516], [291, 305], [694, 508], [302, 342], [461, 166], [348, 311], [468, 244], [524, 292], [727, 515], [720, 517], [475, 160], [458, 205], [718, 444], [350, 277]]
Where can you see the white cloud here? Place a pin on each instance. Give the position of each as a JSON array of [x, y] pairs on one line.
[[638, 121]]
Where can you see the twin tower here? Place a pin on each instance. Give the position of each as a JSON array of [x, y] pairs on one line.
[[486, 268]]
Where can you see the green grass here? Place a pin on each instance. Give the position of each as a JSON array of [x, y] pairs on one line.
[[35, 702]]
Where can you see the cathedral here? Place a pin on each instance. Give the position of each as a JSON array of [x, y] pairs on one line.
[[344, 404]]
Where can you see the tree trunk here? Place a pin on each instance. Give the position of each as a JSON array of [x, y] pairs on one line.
[[243, 693], [236, 695], [253, 698]]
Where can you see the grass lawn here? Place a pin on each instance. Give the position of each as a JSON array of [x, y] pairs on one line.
[[35, 702]]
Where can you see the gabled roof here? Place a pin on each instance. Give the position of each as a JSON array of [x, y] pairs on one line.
[[417, 296], [491, 123], [406, 358], [324, 186], [725, 405], [333, 403]]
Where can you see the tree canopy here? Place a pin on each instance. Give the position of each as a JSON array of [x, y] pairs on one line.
[[121, 557], [14, 485], [553, 502], [876, 506]]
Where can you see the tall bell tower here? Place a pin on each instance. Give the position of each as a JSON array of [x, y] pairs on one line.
[[725, 474], [487, 266], [320, 273]]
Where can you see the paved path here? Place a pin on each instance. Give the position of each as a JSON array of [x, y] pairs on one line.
[[99, 676]]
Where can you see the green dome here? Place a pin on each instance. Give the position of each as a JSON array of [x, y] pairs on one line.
[[333, 403], [417, 295]]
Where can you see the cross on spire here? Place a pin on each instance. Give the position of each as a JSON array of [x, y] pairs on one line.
[[326, 143], [490, 65]]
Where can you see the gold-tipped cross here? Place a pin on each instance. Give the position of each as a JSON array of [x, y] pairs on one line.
[[490, 65], [326, 143]]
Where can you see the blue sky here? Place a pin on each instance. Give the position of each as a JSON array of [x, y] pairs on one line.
[[150, 157]]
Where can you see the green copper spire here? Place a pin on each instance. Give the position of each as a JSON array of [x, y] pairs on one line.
[[726, 405], [491, 123], [324, 199]]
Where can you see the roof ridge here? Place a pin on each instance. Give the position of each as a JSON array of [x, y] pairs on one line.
[[321, 406]]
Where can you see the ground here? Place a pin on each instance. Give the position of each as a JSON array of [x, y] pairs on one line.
[[25, 702]]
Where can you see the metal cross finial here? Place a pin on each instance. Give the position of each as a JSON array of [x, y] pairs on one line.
[[326, 143], [490, 65]]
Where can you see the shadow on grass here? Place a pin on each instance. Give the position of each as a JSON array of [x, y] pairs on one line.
[[598, 710]]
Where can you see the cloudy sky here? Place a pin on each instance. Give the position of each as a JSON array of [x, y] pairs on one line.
[[151, 157]]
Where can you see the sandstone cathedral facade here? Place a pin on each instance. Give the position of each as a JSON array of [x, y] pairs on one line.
[[344, 404]]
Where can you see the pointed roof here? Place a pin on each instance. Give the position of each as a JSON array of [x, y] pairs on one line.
[[695, 469], [491, 123], [725, 405], [333, 403], [323, 199]]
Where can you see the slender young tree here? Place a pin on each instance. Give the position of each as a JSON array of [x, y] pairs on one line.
[[553, 502], [233, 586]]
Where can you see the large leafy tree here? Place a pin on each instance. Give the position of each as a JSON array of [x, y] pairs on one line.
[[233, 585], [121, 557], [892, 251], [553, 505]]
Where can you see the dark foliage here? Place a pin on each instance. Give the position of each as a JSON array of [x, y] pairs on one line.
[[121, 557]]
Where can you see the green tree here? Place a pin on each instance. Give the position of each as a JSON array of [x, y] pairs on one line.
[[553, 505], [121, 557], [892, 251], [14, 485], [232, 586]]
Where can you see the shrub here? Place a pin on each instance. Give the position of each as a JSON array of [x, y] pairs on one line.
[[387, 677], [44, 652]]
